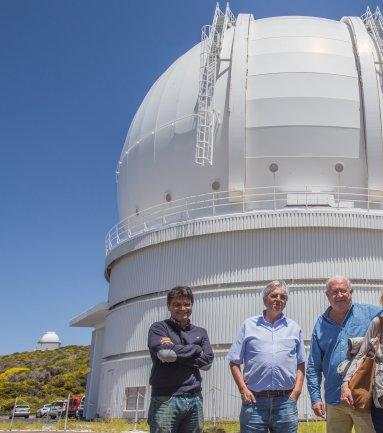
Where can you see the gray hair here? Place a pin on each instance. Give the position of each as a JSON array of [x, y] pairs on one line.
[[276, 284], [337, 278]]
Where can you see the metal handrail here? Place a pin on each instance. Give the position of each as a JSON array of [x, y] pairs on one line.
[[221, 203]]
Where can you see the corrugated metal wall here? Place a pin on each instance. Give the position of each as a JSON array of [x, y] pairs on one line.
[[115, 377], [227, 271], [221, 397], [254, 255], [220, 311], [93, 382], [231, 221]]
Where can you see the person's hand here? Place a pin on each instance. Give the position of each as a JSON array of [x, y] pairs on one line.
[[247, 396], [319, 409], [166, 341], [294, 395], [346, 396]]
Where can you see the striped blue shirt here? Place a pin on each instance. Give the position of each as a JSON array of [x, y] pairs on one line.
[[270, 353]]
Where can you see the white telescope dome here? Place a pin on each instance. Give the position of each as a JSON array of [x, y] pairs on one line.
[[50, 337], [288, 93]]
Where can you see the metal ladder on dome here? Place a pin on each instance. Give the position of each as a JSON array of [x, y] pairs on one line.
[[374, 25], [211, 43]]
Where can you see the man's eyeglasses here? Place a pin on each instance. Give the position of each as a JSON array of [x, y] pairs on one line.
[[181, 304], [336, 292]]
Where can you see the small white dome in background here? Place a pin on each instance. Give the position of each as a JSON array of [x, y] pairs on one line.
[[50, 337], [49, 341]]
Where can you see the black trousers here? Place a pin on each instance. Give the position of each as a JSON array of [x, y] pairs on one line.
[[377, 418]]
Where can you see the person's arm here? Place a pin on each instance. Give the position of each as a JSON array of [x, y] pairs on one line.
[[297, 390], [236, 358], [246, 395], [161, 346], [205, 358], [314, 377], [300, 375], [372, 331]]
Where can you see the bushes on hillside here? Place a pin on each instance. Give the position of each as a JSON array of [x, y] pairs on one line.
[[42, 377]]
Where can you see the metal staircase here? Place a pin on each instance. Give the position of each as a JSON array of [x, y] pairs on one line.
[[374, 25], [211, 43]]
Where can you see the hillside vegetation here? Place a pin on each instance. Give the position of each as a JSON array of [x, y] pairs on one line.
[[42, 377]]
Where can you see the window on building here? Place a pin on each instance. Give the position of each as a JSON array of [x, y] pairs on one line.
[[135, 401]]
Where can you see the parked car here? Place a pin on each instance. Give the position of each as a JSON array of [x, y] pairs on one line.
[[43, 410], [74, 404], [57, 409], [20, 411], [80, 410]]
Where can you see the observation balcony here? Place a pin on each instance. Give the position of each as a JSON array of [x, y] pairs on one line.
[[251, 200]]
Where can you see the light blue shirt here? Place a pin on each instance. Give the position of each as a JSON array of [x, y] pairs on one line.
[[270, 353], [329, 345]]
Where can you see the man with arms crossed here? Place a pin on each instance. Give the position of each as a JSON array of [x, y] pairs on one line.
[[178, 350], [329, 344], [271, 348]]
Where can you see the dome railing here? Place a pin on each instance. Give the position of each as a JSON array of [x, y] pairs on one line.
[[221, 203]]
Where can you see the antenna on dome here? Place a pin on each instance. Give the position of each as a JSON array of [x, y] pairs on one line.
[[211, 43]]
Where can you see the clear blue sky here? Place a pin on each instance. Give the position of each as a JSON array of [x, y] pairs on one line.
[[72, 75]]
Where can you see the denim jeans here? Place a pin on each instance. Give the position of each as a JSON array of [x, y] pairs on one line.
[[176, 414], [277, 414]]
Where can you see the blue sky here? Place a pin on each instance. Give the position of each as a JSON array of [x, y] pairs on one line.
[[72, 75]]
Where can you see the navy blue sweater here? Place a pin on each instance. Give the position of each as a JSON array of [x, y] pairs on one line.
[[175, 369]]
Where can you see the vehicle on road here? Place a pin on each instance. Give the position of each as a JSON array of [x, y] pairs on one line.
[[20, 411], [57, 409], [43, 410], [80, 410]]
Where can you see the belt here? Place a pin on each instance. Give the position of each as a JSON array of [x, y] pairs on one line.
[[272, 393]]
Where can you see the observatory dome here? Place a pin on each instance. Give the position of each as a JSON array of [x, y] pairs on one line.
[[258, 155], [50, 337], [288, 93]]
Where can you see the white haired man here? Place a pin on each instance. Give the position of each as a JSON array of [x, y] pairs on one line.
[[342, 320], [271, 349]]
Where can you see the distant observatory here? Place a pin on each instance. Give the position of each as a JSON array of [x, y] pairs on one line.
[[257, 155], [49, 341]]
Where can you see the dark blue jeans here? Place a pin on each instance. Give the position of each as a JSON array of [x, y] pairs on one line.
[[176, 414], [377, 418], [277, 414]]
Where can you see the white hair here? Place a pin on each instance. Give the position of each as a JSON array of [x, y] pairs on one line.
[[337, 278], [276, 284]]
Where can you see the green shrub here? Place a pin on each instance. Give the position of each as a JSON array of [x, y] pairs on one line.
[[42, 377]]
